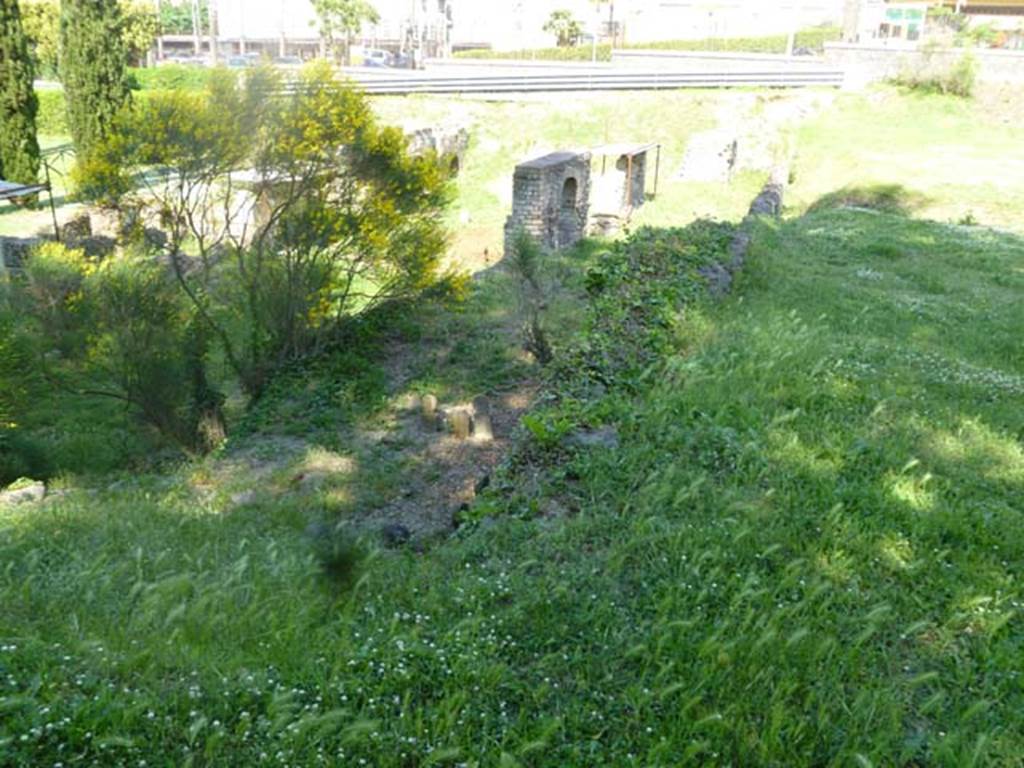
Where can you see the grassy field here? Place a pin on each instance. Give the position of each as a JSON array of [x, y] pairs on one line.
[[796, 540], [953, 158]]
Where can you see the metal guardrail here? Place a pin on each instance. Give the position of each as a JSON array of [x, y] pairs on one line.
[[598, 81]]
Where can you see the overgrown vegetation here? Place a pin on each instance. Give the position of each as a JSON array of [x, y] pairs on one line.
[[810, 512], [253, 230], [936, 74]]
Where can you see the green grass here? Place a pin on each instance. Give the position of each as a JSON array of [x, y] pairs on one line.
[[803, 552], [957, 157]]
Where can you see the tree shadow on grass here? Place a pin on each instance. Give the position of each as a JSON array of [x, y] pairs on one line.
[[884, 198]]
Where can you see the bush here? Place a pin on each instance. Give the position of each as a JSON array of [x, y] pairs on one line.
[[169, 77], [572, 53], [118, 330], [347, 220], [21, 456], [933, 76]]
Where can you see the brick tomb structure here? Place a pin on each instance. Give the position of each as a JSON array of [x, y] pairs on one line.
[[551, 200]]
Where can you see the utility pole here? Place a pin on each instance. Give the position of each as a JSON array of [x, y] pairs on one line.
[[241, 27], [791, 39], [282, 44], [213, 31], [197, 38]]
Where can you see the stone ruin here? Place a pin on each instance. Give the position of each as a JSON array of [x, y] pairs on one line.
[[620, 184], [263, 195], [450, 142], [14, 251], [551, 200]]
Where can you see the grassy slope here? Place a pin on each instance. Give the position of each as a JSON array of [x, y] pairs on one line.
[[805, 551], [956, 157]]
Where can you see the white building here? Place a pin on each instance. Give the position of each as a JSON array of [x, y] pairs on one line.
[[654, 20], [516, 24], [291, 25]]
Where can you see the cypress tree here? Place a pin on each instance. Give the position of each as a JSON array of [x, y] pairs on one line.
[[19, 149], [93, 67]]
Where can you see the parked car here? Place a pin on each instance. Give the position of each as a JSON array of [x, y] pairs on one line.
[[288, 61], [375, 57]]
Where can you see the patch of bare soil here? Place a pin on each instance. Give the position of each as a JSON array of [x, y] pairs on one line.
[[444, 472]]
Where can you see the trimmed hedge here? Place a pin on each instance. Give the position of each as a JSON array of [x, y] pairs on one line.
[[169, 77], [813, 39], [52, 118], [578, 53]]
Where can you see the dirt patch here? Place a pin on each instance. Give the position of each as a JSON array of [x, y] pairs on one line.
[[443, 473]]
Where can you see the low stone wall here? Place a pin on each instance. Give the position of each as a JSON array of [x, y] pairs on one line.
[[866, 64], [701, 61], [768, 203]]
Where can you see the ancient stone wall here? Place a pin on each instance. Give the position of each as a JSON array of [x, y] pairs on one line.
[[450, 143], [14, 250], [868, 63], [551, 200]]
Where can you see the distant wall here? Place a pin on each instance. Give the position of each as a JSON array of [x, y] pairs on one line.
[[706, 61], [865, 64]]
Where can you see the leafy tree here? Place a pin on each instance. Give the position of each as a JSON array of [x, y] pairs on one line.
[[41, 19], [565, 28], [19, 149], [93, 67], [176, 17], [343, 19], [283, 218], [141, 26]]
